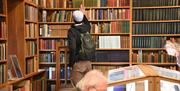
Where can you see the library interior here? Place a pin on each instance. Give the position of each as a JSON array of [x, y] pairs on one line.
[[136, 45]]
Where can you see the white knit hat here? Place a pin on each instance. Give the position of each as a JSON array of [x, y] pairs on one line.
[[78, 15]]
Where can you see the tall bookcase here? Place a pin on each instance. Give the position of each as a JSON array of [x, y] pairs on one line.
[[31, 35], [23, 34], [153, 23], [110, 22], [3, 43], [53, 28], [23, 42]]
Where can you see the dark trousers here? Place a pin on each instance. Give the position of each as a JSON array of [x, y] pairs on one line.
[[79, 70]]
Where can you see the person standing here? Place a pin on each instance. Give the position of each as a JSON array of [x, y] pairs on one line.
[[172, 47], [80, 65]]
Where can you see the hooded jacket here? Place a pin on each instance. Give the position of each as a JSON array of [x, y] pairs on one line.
[[74, 42]]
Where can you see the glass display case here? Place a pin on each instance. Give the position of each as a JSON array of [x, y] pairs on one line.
[[143, 78]]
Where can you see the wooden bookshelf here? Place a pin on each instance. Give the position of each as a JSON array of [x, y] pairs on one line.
[[63, 75], [18, 40], [3, 43], [148, 25], [23, 36]]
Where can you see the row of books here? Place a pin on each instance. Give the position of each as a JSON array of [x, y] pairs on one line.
[[100, 3], [63, 57], [51, 43], [92, 14], [112, 56], [47, 44], [31, 48], [152, 57], [148, 42], [113, 42], [156, 28], [108, 14], [86, 3], [156, 14], [39, 84], [50, 73], [3, 73], [148, 3], [36, 2], [3, 29], [63, 73], [31, 30], [47, 57], [53, 30], [54, 3], [31, 13], [112, 27], [51, 57], [2, 51], [31, 65]]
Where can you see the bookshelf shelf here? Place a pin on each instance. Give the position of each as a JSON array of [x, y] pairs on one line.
[[156, 35], [108, 20], [51, 80], [2, 15], [161, 64], [150, 49], [26, 77], [121, 7], [29, 21], [32, 56], [110, 49], [124, 34], [3, 39], [157, 7], [2, 62], [53, 37], [47, 50], [30, 38], [47, 63], [31, 4], [110, 63], [55, 23], [165, 21]]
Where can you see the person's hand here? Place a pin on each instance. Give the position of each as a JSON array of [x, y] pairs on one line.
[[82, 9]]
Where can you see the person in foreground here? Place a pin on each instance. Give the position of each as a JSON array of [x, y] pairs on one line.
[[94, 80], [80, 64], [173, 48]]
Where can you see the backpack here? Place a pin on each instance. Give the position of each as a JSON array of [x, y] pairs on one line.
[[87, 49]]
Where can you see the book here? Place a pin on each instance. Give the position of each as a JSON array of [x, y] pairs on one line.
[[13, 65]]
